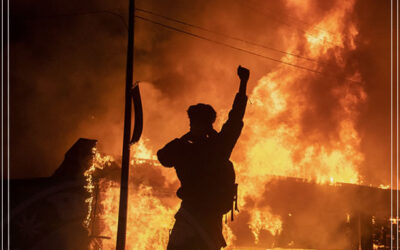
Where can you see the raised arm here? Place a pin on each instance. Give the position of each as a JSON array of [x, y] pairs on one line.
[[243, 74], [232, 128], [239, 104]]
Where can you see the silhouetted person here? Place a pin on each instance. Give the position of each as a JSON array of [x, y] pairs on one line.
[[201, 159]]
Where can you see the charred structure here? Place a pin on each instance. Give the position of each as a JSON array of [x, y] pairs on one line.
[[330, 216], [47, 213]]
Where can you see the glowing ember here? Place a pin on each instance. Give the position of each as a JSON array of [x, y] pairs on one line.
[[384, 186], [98, 162]]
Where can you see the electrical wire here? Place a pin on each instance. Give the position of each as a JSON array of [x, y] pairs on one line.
[[237, 48], [224, 44], [190, 34], [225, 35]]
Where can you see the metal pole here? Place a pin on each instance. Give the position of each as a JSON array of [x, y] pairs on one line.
[[123, 200]]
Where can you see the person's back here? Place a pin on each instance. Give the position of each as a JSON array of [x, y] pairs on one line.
[[201, 160]]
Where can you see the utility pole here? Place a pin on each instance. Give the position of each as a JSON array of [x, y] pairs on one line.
[[123, 201]]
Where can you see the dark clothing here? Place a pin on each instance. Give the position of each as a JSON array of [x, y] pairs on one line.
[[203, 168], [189, 232]]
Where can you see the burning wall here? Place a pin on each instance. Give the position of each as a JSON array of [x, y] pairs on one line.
[[48, 213], [289, 213]]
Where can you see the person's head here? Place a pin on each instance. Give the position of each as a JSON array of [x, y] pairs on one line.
[[201, 116]]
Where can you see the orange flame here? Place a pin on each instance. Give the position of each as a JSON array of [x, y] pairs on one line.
[[98, 162], [273, 145], [150, 217], [149, 220]]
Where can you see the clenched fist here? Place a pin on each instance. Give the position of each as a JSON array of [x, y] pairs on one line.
[[243, 73]]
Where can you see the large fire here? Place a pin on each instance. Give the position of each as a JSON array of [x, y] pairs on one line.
[[274, 145], [98, 162]]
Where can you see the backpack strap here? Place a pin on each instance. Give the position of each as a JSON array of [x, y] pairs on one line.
[[235, 201], [236, 197]]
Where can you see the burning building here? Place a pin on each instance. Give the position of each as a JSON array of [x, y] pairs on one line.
[[307, 153], [294, 214], [50, 213], [77, 208]]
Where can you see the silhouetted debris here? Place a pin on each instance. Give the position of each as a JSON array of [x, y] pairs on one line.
[[47, 213]]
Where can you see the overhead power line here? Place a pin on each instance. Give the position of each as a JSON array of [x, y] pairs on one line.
[[237, 48], [187, 33], [225, 35], [225, 44]]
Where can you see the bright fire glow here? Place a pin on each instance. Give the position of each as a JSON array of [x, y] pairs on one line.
[[274, 142], [149, 219], [98, 162]]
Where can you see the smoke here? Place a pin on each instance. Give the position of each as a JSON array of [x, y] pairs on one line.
[[67, 75]]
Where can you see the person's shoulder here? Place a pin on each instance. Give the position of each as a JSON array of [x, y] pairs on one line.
[[186, 138]]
